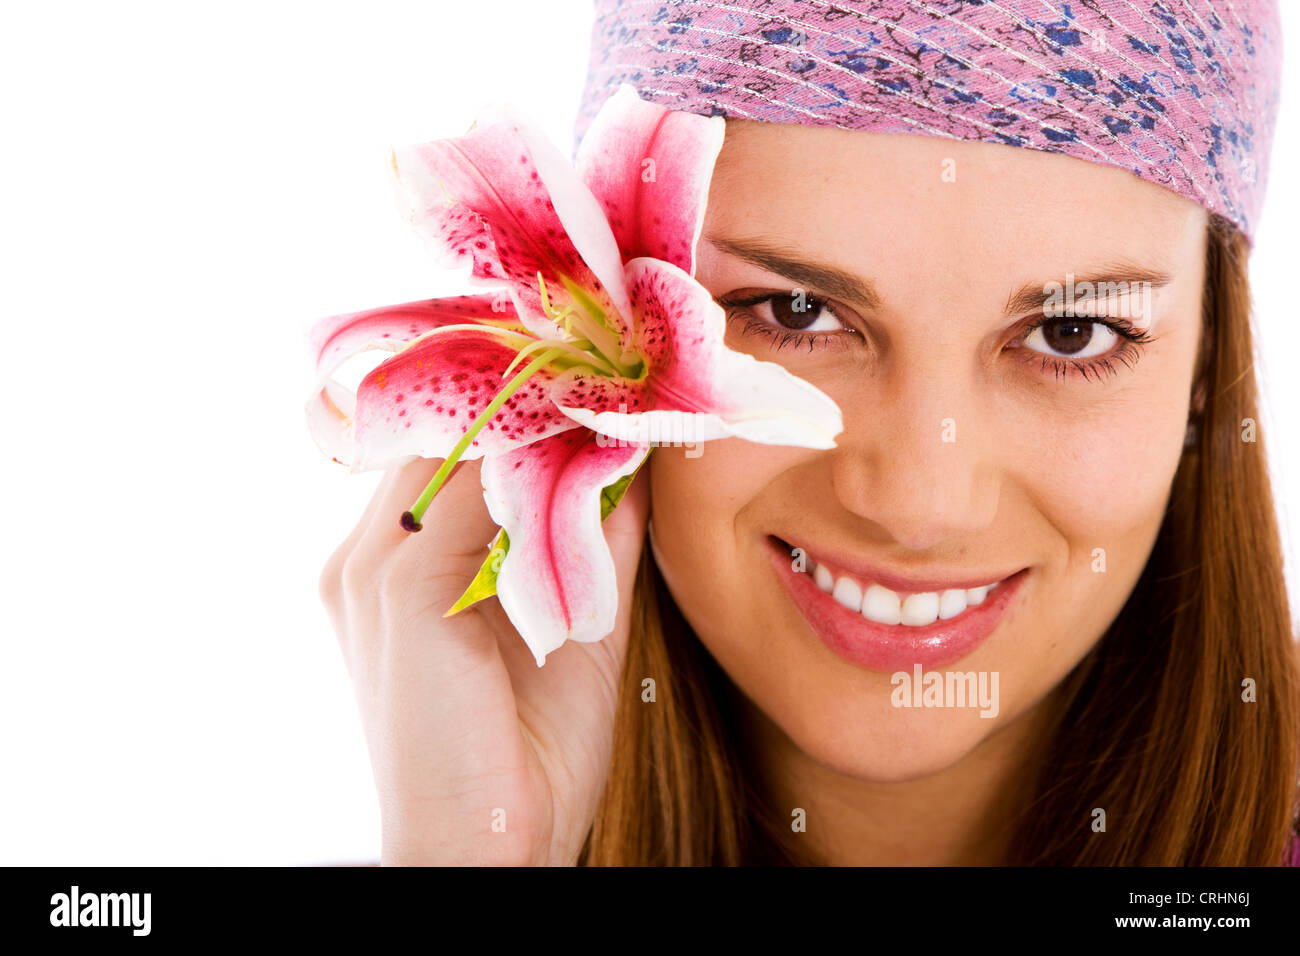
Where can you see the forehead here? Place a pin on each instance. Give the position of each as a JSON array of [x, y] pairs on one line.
[[884, 202]]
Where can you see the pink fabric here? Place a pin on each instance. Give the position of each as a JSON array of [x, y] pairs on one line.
[[1182, 92]]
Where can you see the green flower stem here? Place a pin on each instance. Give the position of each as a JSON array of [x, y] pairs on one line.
[[411, 519]]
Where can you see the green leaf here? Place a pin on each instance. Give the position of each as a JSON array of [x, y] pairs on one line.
[[484, 584], [611, 495]]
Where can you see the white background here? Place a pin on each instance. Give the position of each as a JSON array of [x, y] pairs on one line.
[[185, 188]]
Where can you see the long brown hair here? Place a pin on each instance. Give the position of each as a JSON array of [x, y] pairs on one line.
[[1152, 725]]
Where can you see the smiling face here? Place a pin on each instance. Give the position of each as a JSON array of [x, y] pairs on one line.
[[904, 277]]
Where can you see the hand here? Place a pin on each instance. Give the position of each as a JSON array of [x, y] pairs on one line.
[[464, 729]]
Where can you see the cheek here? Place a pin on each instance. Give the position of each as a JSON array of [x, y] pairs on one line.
[[1097, 490], [1107, 450], [1102, 473], [1114, 476], [696, 510]]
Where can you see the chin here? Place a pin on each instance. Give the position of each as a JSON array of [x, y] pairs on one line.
[[897, 747]]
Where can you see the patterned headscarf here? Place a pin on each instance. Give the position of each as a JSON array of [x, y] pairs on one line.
[[1182, 92]]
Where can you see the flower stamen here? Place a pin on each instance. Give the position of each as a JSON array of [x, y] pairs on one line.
[[590, 320], [577, 351]]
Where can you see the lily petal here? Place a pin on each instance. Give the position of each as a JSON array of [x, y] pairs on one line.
[[503, 198], [650, 167], [337, 338], [696, 388], [329, 419], [421, 401], [558, 581]]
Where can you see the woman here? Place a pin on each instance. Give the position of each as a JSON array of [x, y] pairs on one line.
[[1030, 608]]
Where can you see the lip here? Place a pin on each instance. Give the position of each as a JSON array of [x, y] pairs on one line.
[[893, 647]]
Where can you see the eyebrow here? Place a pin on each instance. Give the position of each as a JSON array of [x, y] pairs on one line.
[[827, 279], [1030, 297], [843, 285]]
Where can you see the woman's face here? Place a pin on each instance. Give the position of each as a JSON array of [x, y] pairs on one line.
[[976, 449]]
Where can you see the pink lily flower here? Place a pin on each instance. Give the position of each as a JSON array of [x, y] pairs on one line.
[[597, 343]]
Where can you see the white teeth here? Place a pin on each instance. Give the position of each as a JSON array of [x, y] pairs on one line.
[[951, 603], [825, 580], [921, 609], [848, 593], [881, 605]]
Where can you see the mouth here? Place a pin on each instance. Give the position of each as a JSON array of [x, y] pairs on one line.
[[885, 622]]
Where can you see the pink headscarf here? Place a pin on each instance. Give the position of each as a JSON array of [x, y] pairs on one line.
[[1182, 92]]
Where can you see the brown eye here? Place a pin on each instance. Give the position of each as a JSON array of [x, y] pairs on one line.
[[1067, 336], [1072, 338], [797, 312]]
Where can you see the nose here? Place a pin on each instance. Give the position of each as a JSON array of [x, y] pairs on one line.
[[919, 459]]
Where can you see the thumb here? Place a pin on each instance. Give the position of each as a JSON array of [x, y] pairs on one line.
[[625, 534]]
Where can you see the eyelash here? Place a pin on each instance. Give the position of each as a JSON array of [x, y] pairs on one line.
[[782, 338], [1128, 352], [1131, 340]]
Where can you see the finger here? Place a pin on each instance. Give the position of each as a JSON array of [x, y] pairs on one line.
[[381, 496], [455, 528], [457, 518], [403, 486]]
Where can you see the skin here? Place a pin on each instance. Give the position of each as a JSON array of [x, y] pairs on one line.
[[462, 725], [1044, 469]]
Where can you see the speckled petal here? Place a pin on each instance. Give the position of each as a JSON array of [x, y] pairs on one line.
[[336, 338], [696, 388], [503, 199], [558, 581], [422, 400], [649, 167]]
